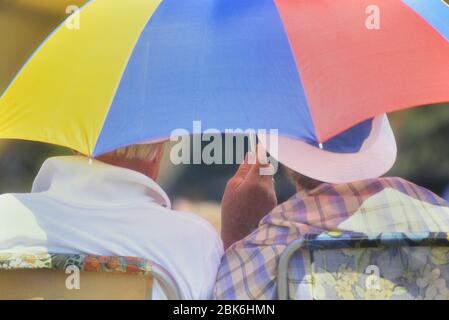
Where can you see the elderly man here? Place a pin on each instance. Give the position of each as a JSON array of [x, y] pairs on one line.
[[112, 206], [338, 189]]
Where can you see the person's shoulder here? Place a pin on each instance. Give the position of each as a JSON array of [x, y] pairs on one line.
[[194, 221], [199, 233], [406, 186], [20, 202], [395, 182], [7, 199], [12, 203], [191, 223]]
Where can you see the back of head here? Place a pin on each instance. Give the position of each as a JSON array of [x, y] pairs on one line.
[[300, 181], [144, 158]]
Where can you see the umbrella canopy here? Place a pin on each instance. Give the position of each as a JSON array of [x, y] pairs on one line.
[[137, 69]]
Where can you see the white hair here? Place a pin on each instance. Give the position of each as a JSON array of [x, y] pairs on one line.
[[139, 151]]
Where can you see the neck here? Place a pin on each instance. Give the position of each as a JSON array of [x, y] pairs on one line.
[[300, 189]]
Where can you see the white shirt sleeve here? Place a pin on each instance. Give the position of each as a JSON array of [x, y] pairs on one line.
[[197, 258]]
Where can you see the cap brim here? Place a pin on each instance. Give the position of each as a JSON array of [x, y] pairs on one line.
[[376, 156]]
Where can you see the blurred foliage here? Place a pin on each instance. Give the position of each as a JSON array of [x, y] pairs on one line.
[[203, 182], [423, 140], [24, 24], [20, 161]]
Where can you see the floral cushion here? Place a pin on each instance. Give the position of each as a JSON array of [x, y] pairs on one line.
[[387, 266], [88, 263]]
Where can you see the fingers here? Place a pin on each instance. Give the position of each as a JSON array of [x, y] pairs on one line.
[[262, 168], [252, 167], [244, 168]]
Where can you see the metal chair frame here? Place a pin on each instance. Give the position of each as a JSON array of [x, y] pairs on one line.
[[352, 240]]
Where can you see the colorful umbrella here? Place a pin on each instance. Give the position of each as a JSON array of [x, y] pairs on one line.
[[31, 21], [137, 69]]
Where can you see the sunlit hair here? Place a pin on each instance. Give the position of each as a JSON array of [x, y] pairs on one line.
[[147, 152], [298, 179]]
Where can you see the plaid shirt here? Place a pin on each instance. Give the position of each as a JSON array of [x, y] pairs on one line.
[[248, 269]]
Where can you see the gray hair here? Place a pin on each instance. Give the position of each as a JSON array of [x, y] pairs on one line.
[[139, 151]]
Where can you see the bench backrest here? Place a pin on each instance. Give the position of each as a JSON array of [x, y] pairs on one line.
[[78, 276]]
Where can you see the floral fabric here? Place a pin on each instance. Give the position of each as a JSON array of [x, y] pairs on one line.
[[387, 266], [88, 263]]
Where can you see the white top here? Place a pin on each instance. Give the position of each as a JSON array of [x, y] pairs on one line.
[[99, 209]]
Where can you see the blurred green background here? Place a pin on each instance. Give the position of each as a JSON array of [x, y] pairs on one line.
[[422, 133]]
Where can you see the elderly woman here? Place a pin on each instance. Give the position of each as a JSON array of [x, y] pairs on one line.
[[339, 189]]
